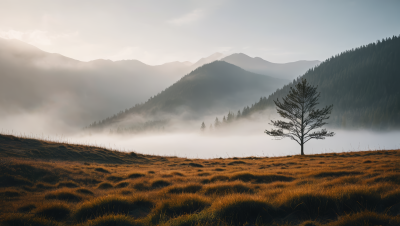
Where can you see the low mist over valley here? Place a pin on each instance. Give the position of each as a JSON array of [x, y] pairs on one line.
[[52, 95]]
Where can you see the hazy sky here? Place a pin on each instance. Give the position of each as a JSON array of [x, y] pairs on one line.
[[156, 32]]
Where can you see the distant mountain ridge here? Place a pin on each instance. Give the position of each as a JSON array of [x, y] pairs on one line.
[[288, 71], [211, 88], [76, 91], [361, 83]]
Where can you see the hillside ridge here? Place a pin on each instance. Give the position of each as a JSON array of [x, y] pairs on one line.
[[354, 82]]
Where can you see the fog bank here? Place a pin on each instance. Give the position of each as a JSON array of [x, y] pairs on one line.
[[228, 141], [215, 144]]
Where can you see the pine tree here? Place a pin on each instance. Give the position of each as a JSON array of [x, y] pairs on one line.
[[203, 126]]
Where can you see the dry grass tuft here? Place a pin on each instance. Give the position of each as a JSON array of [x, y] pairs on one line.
[[122, 185], [179, 205], [64, 195], [84, 191], [195, 164], [112, 205], [309, 206], [240, 210], [203, 174], [141, 187], [159, 184], [26, 208], [68, 184], [126, 192], [191, 188], [178, 174], [248, 177], [227, 188], [114, 178], [54, 211], [113, 220], [336, 174], [219, 178], [105, 185], [101, 170], [44, 186], [135, 175], [236, 163]]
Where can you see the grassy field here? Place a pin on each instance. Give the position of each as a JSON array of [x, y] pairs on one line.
[[47, 183]]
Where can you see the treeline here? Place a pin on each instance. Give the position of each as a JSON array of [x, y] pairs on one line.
[[362, 84]]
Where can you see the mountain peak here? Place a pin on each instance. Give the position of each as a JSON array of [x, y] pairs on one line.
[[209, 59]]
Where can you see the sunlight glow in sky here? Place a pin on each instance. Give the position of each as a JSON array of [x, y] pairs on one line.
[[156, 32]]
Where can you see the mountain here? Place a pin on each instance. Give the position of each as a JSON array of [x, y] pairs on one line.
[[288, 71], [362, 84], [210, 89], [74, 92]]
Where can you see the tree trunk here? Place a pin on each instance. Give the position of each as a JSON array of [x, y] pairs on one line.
[[302, 149]]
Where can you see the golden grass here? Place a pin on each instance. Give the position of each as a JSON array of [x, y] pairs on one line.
[[359, 188]]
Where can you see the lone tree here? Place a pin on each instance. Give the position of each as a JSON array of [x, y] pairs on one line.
[[299, 108]]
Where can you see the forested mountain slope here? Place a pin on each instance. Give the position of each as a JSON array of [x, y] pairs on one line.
[[210, 89], [362, 84]]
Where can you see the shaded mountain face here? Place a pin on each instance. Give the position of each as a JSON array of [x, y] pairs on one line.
[[362, 84], [288, 71], [210, 89]]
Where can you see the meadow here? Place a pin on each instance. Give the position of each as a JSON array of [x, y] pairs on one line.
[[49, 183]]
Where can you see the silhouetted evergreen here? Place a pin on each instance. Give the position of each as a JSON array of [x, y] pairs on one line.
[[203, 126], [362, 84]]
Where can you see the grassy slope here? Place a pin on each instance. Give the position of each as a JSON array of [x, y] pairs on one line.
[[359, 188], [11, 146]]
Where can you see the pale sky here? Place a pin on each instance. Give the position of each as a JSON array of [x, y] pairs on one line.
[[157, 32]]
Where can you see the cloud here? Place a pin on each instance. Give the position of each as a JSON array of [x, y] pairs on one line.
[[36, 37], [188, 18]]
